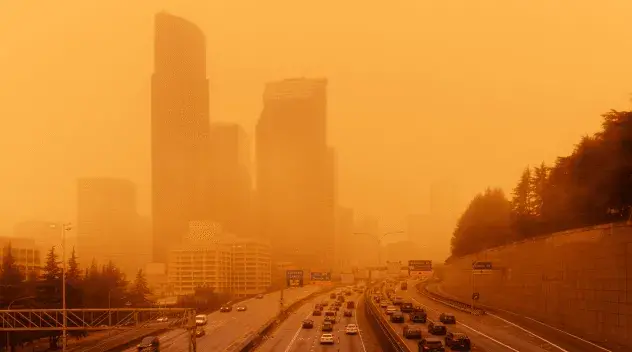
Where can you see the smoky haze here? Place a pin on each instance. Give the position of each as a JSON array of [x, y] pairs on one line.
[[427, 102]]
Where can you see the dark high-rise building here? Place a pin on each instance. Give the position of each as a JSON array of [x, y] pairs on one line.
[[179, 131], [231, 196], [107, 223], [294, 173]]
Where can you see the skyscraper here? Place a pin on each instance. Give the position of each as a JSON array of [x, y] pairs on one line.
[[179, 131], [230, 178], [108, 223], [294, 169]]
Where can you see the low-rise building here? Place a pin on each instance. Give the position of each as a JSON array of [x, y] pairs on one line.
[[26, 254], [223, 262]]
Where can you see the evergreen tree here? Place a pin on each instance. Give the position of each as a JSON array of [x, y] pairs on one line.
[[140, 289], [539, 178], [51, 270], [10, 276], [74, 273]]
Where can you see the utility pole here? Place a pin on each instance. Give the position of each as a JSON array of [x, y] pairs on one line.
[[64, 227]]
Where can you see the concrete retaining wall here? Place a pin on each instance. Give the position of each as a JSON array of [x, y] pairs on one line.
[[579, 281]]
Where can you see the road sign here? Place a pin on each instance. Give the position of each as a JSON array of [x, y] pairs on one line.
[[482, 266], [294, 278], [476, 296], [320, 276], [420, 265]]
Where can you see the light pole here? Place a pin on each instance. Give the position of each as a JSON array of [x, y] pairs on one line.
[[64, 227], [379, 239], [9, 308]]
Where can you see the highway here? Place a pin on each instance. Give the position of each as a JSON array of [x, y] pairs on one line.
[[291, 337], [226, 329], [487, 333]]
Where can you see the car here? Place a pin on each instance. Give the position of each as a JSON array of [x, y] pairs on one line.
[[351, 329], [330, 319], [398, 301], [201, 319], [308, 324], [259, 296], [411, 332], [384, 304], [317, 313], [457, 341], [242, 308], [330, 313], [324, 303], [390, 310], [162, 319], [332, 295], [226, 309], [437, 328], [199, 332], [149, 343], [327, 326], [407, 307], [327, 339], [418, 317], [397, 317], [348, 313], [447, 318], [430, 344]]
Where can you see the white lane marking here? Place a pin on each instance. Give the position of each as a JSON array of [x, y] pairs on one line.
[[528, 332], [355, 317], [289, 346], [550, 327], [471, 328]]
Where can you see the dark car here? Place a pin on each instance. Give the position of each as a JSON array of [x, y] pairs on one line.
[[226, 309], [330, 313], [317, 313], [348, 313], [437, 328], [332, 295], [406, 307], [330, 319], [308, 324], [327, 326], [397, 317], [242, 308], [419, 317], [430, 344], [149, 343], [447, 318], [412, 332], [199, 332], [259, 296], [457, 341]]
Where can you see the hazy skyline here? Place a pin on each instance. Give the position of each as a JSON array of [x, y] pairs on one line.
[[419, 90]]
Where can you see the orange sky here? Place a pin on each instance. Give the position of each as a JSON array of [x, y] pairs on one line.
[[419, 90]]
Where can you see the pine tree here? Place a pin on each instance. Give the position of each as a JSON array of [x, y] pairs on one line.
[[140, 288], [51, 270], [10, 276], [74, 273]]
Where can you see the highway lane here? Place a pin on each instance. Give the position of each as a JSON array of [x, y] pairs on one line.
[[224, 329], [546, 332], [291, 337], [487, 333]]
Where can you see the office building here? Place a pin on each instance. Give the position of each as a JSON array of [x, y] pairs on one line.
[[220, 261], [108, 224], [27, 256], [45, 234], [294, 167], [179, 132], [231, 184]]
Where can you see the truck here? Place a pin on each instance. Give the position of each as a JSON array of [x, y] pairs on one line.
[[404, 286]]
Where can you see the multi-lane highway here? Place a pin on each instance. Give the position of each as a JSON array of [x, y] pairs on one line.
[[487, 333], [227, 329], [291, 337]]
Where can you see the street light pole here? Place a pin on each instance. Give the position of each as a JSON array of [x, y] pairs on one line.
[[9, 308], [379, 239], [64, 227]]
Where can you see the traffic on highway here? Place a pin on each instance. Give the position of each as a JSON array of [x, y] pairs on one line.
[[228, 328], [329, 322], [424, 324]]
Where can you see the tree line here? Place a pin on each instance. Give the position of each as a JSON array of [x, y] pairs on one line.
[[591, 186], [93, 287]]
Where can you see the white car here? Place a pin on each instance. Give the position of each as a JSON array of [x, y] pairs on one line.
[[351, 329], [391, 309], [327, 339], [162, 319]]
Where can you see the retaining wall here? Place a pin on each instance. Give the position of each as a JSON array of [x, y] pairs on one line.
[[579, 281]]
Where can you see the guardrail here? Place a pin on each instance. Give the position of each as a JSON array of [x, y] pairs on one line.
[[394, 339], [251, 339], [456, 304]]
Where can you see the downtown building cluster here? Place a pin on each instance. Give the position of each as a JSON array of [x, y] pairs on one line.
[[201, 174]]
